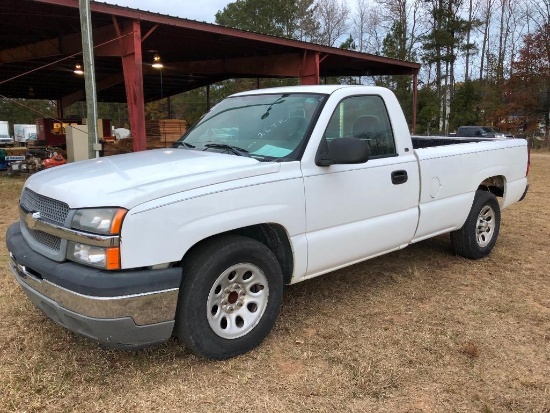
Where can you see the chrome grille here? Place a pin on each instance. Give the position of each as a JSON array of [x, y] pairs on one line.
[[47, 240], [50, 209]]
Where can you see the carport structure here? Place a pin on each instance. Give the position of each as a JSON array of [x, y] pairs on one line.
[[40, 44]]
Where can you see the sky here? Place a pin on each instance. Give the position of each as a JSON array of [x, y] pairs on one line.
[[201, 10]]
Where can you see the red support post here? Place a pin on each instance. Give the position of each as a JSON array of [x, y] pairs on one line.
[[133, 80], [309, 75]]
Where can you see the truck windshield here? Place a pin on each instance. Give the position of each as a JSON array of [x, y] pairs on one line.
[[267, 127]]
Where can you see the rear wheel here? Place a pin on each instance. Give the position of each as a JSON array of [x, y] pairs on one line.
[[478, 235], [230, 297]]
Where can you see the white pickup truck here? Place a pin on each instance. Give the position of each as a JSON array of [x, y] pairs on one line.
[[271, 187]]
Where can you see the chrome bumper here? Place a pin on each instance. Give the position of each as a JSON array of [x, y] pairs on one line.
[[121, 309], [110, 321], [147, 308]]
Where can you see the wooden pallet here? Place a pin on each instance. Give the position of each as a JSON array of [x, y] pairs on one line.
[[162, 133], [159, 134], [118, 147]]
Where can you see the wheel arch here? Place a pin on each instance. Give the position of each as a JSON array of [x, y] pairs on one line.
[[495, 185], [273, 236], [466, 240]]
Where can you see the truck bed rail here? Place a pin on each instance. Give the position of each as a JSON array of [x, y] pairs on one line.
[[430, 141]]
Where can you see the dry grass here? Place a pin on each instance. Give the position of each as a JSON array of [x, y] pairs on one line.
[[419, 330]]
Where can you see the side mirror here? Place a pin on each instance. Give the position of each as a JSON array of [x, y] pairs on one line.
[[343, 151]]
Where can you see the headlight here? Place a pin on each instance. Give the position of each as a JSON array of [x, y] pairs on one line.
[[99, 220], [106, 258]]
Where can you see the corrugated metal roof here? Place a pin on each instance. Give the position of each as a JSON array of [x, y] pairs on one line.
[[37, 33]]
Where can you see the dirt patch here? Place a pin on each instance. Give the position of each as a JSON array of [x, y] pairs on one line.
[[419, 330]]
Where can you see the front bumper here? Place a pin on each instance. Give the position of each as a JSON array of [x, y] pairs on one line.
[[122, 309]]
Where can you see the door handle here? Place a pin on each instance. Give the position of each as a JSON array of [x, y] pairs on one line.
[[399, 177]]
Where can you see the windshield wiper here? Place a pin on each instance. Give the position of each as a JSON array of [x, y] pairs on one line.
[[233, 149], [177, 144]]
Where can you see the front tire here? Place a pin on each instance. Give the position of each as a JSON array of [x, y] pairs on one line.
[[230, 297], [478, 235]]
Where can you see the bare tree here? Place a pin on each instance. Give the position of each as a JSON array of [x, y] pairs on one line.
[[359, 24], [486, 13], [307, 27], [468, 48], [520, 21], [332, 17], [405, 15], [368, 27], [505, 20], [540, 13]]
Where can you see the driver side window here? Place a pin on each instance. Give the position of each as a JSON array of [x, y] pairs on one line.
[[365, 118]]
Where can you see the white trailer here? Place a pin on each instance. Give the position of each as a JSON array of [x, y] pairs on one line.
[[24, 133], [5, 138]]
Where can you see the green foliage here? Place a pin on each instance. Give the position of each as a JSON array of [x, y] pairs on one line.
[[401, 86], [26, 111], [428, 111], [465, 107], [284, 18], [116, 112], [395, 46], [349, 44], [441, 47], [193, 104], [448, 33], [189, 106]]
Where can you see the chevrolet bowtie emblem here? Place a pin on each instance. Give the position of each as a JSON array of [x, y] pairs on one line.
[[31, 219]]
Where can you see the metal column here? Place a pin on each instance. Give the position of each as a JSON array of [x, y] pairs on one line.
[[89, 75]]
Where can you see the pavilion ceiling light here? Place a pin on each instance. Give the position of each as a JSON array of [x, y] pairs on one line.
[[157, 62], [78, 69]]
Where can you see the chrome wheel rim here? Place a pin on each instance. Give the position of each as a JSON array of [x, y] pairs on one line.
[[237, 300], [486, 224]]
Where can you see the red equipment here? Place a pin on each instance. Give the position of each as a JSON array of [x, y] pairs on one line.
[[55, 160]]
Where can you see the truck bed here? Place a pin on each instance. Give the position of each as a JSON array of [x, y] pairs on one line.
[[431, 141]]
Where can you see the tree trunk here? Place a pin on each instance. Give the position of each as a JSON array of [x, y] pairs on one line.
[[470, 12], [500, 59], [485, 43]]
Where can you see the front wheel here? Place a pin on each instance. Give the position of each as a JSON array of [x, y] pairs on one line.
[[478, 235], [230, 297]]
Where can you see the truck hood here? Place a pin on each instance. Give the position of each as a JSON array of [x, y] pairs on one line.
[[131, 179]]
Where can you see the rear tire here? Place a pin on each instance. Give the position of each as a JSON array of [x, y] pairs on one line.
[[230, 297], [478, 235]]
